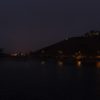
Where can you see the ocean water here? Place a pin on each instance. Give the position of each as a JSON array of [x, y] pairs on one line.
[[49, 80]]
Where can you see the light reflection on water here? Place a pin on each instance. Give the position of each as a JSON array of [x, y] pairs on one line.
[[79, 63], [98, 64], [56, 80], [60, 63]]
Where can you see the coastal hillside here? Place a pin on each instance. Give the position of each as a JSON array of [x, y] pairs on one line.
[[89, 44]]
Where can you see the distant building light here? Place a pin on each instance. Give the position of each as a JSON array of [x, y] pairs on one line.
[[92, 34], [22, 54], [60, 63], [97, 33], [17, 54], [60, 52], [14, 54]]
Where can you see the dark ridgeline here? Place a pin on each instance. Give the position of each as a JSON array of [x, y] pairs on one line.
[[88, 45]]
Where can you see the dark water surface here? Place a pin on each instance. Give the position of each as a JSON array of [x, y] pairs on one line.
[[39, 80]]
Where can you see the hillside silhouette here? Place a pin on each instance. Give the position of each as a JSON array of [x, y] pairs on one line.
[[89, 44]]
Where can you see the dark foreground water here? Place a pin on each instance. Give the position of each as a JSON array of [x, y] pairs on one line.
[[50, 80]]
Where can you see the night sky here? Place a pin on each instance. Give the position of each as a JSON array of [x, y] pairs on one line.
[[32, 24]]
